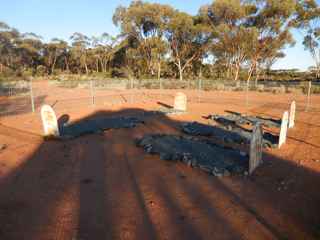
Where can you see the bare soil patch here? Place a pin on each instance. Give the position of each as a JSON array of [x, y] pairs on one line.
[[101, 186]]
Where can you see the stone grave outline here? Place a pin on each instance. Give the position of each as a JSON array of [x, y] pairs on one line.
[[180, 102], [49, 121], [284, 129], [292, 114], [256, 147]]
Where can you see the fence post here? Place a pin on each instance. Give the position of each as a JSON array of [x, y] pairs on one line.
[[92, 93], [309, 96], [200, 86], [160, 85], [31, 96], [247, 96]]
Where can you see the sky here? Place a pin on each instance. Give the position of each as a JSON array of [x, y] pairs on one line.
[[61, 18]]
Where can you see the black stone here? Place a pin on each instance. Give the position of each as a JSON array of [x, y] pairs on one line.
[[197, 153], [97, 126], [238, 119], [237, 134]]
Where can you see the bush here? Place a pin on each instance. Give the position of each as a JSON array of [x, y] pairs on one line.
[[278, 90], [260, 88], [216, 87], [41, 70], [315, 89], [295, 90]]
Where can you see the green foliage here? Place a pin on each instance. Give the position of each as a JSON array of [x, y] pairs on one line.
[[307, 19], [227, 39]]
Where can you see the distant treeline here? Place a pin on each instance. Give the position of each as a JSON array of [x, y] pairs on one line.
[[228, 39]]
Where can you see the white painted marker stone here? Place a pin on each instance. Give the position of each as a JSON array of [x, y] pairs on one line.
[[292, 114], [256, 148], [180, 102], [284, 129], [49, 121]]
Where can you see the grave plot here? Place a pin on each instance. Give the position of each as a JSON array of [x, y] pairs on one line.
[[196, 153], [98, 125], [234, 122], [179, 105], [170, 111], [83, 127], [238, 119], [232, 135], [205, 155]]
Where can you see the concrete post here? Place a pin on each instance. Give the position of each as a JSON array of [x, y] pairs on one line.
[[31, 96]]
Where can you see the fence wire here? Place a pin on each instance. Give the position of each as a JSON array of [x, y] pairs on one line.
[[28, 96]]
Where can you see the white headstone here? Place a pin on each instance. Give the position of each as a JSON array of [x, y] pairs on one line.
[[284, 129], [49, 121], [180, 102], [292, 114], [256, 148]]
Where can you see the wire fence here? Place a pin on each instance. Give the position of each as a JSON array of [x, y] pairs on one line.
[[28, 96]]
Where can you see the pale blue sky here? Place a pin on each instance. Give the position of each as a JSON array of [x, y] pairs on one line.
[[61, 18]]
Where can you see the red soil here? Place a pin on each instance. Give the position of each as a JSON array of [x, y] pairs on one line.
[[104, 187]]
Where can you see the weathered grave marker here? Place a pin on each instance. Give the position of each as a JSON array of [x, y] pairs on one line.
[[292, 114], [49, 121], [255, 148], [284, 129], [180, 102]]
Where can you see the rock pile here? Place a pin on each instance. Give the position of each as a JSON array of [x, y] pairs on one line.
[[238, 119], [232, 134], [98, 125], [196, 153]]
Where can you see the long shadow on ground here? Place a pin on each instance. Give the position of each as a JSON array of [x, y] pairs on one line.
[[102, 186]]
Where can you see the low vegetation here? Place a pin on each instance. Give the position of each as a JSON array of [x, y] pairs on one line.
[[226, 40]]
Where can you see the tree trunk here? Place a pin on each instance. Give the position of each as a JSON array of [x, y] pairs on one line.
[[102, 66], [97, 65], [84, 62], [180, 71], [66, 64], [159, 70], [53, 64], [86, 67], [257, 78], [236, 75], [229, 70], [250, 74]]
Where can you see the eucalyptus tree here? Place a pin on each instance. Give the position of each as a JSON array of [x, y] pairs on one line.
[[30, 51], [228, 21], [143, 25], [55, 51], [308, 20], [8, 37], [104, 48], [188, 39], [79, 50], [271, 25], [248, 32]]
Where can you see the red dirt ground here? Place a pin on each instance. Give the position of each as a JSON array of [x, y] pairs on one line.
[[103, 187]]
